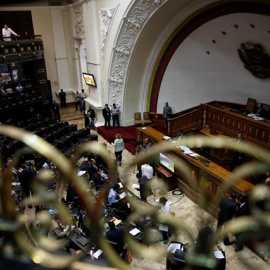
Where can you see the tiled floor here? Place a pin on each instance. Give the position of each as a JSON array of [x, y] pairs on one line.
[[186, 212]]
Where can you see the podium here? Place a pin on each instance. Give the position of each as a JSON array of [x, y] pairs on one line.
[[168, 177]]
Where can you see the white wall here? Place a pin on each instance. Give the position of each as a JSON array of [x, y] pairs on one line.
[[193, 76]]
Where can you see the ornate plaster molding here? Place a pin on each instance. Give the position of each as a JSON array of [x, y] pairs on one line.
[[78, 19], [106, 16], [132, 24]]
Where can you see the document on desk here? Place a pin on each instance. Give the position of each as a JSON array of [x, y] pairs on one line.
[[173, 247], [254, 116], [116, 221], [218, 254], [134, 231], [97, 253], [70, 229], [80, 173]]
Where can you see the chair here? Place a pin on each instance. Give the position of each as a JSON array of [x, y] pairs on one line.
[[250, 107], [146, 118], [138, 119]]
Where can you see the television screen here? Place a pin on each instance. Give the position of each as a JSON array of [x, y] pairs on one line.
[[166, 162], [89, 79]]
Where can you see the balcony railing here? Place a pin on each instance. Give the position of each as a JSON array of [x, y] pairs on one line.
[[21, 48]]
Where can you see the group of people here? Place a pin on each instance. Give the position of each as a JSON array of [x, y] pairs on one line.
[[232, 207], [113, 113]]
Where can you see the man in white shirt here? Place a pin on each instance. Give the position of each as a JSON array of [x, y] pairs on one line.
[[7, 32], [19, 88], [147, 170], [113, 196]]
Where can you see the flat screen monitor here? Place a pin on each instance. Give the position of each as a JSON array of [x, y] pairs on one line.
[[166, 162], [89, 79]]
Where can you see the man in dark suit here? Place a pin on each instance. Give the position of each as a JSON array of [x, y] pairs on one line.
[[106, 112], [145, 189], [26, 176], [62, 96], [261, 112], [242, 210], [115, 235], [56, 111], [98, 179], [226, 213]]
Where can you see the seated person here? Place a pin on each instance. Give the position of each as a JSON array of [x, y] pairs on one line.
[[146, 143], [113, 197], [261, 112], [177, 260], [92, 167], [19, 88], [58, 231], [98, 179], [115, 235]]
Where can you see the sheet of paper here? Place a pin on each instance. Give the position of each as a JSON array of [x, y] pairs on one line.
[[122, 195], [218, 254], [135, 185], [97, 253], [80, 173], [173, 247], [134, 231]]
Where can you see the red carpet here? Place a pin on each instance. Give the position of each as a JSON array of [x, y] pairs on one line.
[[128, 134]]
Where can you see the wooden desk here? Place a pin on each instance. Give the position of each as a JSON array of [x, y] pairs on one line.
[[167, 177], [208, 178], [226, 121]]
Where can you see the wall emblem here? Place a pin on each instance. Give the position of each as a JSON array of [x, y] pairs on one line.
[[255, 59]]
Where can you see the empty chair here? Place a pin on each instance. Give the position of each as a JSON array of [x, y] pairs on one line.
[[146, 118], [250, 107], [138, 119]]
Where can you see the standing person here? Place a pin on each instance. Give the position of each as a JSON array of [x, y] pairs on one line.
[[145, 188], [167, 113], [87, 122], [77, 100], [242, 210], [226, 213], [115, 115], [62, 96], [92, 115], [147, 170], [82, 97], [7, 32], [238, 157], [166, 208], [119, 147], [56, 111], [107, 116]]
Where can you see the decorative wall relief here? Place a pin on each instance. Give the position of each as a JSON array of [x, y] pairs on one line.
[[106, 16], [255, 59], [79, 25], [132, 25]]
